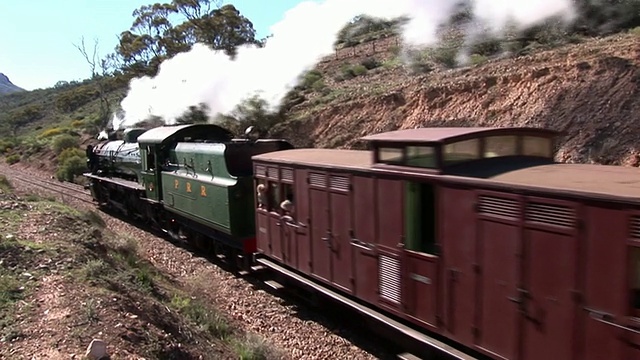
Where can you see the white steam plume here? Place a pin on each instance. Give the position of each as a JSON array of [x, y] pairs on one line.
[[304, 35]]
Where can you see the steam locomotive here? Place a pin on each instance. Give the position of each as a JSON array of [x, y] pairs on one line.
[[192, 181]]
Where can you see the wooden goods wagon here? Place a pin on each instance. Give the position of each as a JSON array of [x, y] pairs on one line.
[[472, 234]]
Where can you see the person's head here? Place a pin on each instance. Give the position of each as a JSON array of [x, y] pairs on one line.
[[261, 188], [286, 206]]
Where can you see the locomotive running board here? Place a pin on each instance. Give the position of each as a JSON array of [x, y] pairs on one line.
[[395, 325]]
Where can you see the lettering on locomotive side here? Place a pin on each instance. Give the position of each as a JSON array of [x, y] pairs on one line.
[[188, 187], [203, 191], [176, 183]]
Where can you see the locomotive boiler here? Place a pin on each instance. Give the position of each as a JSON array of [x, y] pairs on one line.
[[119, 158]]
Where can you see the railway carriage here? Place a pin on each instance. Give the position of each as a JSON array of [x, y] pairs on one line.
[[475, 235]]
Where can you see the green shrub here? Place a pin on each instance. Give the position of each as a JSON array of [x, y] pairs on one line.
[[50, 133], [69, 153], [319, 86], [359, 70], [446, 56], [77, 124], [73, 99], [477, 59], [6, 145], [487, 47], [349, 71], [310, 78], [12, 159], [64, 141], [32, 145], [370, 63], [5, 184], [71, 167]]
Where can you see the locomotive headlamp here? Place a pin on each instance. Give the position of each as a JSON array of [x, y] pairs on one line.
[[251, 134]]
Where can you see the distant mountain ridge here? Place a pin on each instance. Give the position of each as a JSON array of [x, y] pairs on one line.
[[6, 86]]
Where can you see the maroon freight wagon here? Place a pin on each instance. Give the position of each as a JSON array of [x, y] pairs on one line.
[[475, 234]]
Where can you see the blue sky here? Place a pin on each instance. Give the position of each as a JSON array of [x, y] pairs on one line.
[[37, 36]]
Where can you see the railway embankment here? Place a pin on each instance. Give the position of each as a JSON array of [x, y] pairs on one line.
[[93, 276]]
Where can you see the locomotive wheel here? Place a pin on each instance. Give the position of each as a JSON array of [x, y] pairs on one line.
[[203, 244]]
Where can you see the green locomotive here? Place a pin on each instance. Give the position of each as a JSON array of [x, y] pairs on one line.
[[193, 181]]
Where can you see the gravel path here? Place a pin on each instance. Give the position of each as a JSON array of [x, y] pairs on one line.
[[297, 332]]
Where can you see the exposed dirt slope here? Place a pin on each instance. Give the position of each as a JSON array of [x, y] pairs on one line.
[[65, 280], [589, 91]]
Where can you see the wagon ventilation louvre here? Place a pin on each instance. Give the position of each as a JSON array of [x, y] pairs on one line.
[[497, 206], [287, 174], [340, 183], [273, 173], [634, 227], [261, 170], [556, 215], [318, 180], [390, 278]]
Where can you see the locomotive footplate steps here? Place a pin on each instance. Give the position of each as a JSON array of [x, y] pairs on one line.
[[274, 284], [407, 356], [439, 346]]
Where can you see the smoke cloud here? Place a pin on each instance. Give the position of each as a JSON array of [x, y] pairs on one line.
[[305, 34]]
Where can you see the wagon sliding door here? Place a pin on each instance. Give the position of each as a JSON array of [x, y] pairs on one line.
[[458, 236], [320, 231], [340, 240], [499, 241], [420, 257], [550, 307], [390, 194], [606, 229], [330, 207], [365, 257]]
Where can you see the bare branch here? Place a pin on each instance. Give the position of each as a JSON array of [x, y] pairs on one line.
[[91, 59]]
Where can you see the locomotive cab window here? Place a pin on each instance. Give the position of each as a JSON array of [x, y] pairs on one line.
[[420, 210], [634, 277], [151, 159]]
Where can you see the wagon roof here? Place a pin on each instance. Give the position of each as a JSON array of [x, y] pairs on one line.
[[359, 159], [601, 179], [450, 134], [165, 134]]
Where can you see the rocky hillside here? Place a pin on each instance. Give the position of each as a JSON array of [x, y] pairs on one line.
[[587, 90], [6, 86]]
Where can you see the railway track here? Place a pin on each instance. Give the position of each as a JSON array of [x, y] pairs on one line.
[[377, 328], [65, 190]]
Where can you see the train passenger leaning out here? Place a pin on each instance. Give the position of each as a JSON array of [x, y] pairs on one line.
[[261, 194], [276, 197], [287, 211], [267, 195]]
